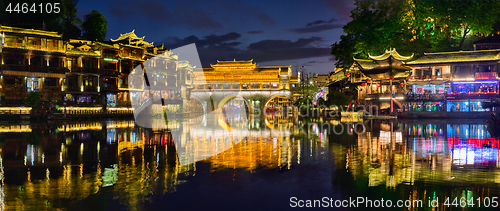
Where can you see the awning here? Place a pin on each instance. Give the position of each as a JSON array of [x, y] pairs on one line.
[[420, 83], [438, 82], [33, 74], [423, 83]]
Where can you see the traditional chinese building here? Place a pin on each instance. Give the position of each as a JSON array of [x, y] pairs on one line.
[[81, 86], [31, 60], [442, 84], [72, 73], [380, 78], [259, 85]]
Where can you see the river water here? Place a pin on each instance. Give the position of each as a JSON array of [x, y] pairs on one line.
[[260, 164]]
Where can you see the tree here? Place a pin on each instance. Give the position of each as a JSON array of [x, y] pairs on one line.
[[2, 99], [413, 26], [33, 99], [95, 26], [307, 90], [338, 98], [70, 22]]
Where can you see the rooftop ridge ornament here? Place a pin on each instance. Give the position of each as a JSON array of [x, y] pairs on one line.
[[391, 52]]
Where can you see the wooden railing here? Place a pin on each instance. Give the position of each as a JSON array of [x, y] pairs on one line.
[[486, 75]]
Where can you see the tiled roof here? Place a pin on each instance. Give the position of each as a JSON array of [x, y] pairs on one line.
[[389, 53], [458, 56], [366, 64], [29, 31]]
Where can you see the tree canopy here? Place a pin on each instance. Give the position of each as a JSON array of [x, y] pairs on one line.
[[414, 26], [307, 89], [95, 26]]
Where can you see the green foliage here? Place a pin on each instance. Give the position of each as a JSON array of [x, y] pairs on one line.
[[2, 99], [32, 138], [307, 90], [33, 99], [413, 26], [338, 98], [70, 22], [95, 26]]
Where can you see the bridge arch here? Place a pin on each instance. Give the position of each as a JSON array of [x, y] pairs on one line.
[[227, 98], [195, 102], [276, 97]]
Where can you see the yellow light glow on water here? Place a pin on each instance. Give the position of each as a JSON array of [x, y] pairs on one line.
[[120, 124], [15, 128], [16, 108], [71, 108], [120, 109], [83, 126]]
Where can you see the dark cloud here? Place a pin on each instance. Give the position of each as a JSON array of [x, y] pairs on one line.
[[342, 8], [207, 41], [282, 44], [318, 22], [182, 13], [318, 26], [227, 47], [255, 32], [266, 19]]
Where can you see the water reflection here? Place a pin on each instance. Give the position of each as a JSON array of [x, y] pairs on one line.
[[58, 165], [47, 167], [418, 160]]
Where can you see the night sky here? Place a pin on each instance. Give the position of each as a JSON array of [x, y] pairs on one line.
[[291, 32]]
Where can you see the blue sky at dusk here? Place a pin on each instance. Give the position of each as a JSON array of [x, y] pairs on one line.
[[297, 33]]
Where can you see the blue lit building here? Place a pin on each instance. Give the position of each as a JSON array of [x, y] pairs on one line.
[[453, 82], [448, 84]]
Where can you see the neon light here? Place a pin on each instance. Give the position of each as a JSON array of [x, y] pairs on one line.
[[110, 60], [475, 82], [473, 93]]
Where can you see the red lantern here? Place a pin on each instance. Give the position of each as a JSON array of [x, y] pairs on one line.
[[347, 74], [367, 80], [402, 84], [378, 85], [392, 78], [363, 84]]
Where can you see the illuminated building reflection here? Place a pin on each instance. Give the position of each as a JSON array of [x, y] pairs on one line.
[[44, 165], [419, 157]]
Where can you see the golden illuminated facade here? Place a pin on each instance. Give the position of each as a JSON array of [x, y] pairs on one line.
[[258, 86], [31, 60], [244, 75], [73, 72]]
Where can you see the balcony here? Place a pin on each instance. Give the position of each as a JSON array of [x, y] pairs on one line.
[[471, 96], [486, 75], [110, 72], [414, 78], [110, 87], [385, 96], [420, 97], [60, 70], [15, 67], [90, 88]]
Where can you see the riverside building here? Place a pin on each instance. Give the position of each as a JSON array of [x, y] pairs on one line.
[[448, 84], [83, 74]]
